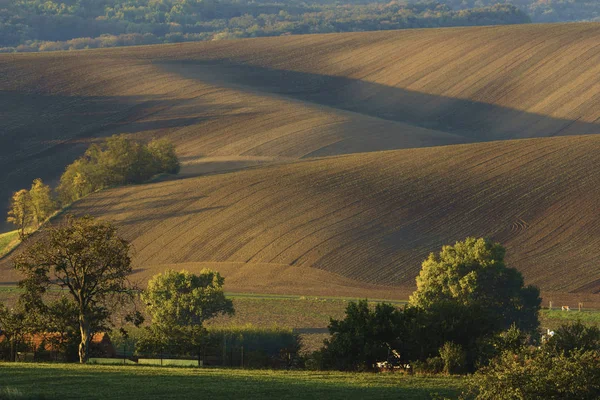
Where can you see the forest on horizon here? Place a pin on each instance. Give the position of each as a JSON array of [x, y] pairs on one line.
[[47, 25]]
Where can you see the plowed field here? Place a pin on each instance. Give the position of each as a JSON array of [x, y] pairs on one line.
[[360, 220], [300, 96], [372, 218]]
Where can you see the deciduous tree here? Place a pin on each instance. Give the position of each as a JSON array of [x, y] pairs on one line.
[[12, 327], [163, 155], [472, 274], [42, 204], [180, 302], [88, 259], [20, 213]]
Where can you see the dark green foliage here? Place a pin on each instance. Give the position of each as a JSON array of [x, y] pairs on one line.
[[117, 161], [573, 337], [32, 25], [13, 326], [467, 294], [232, 346], [565, 366], [179, 304], [162, 153], [362, 338], [86, 258], [468, 308]]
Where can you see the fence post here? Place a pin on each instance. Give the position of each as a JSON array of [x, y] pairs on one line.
[[124, 356], [242, 356]]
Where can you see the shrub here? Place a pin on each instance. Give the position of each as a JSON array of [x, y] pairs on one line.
[[572, 337], [362, 338], [454, 358], [537, 374], [432, 365]]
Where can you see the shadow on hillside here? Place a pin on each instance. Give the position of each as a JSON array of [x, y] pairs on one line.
[[476, 121], [40, 134]]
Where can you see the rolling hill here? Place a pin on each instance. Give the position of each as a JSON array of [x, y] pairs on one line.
[[301, 96], [383, 109], [370, 219]]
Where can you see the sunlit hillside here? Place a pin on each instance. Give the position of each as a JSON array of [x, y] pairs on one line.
[[372, 218], [277, 105], [300, 96]]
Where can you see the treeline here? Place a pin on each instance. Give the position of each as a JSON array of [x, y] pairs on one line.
[[116, 161], [35, 25], [541, 11]]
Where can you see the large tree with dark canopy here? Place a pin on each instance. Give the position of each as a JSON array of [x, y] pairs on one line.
[[472, 275]]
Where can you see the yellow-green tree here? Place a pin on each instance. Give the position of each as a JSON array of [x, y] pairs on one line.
[[20, 212], [42, 204], [163, 156]]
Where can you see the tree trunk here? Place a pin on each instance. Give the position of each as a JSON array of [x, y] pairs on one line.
[[13, 348], [84, 345]]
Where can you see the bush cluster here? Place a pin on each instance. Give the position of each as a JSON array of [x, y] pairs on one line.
[[467, 306], [117, 161], [565, 366]]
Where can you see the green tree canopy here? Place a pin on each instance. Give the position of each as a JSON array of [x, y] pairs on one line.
[[185, 299], [538, 374], [88, 259], [116, 161], [12, 326], [178, 304], [365, 335], [472, 275]]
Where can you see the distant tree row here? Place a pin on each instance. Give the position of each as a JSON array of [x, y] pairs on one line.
[[36, 25], [116, 161], [540, 10]]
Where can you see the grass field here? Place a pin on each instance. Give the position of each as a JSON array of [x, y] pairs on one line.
[[553, 318], [56, 381], [8, 241]]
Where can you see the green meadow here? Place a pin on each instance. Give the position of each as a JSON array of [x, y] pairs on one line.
[[73, 381]]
